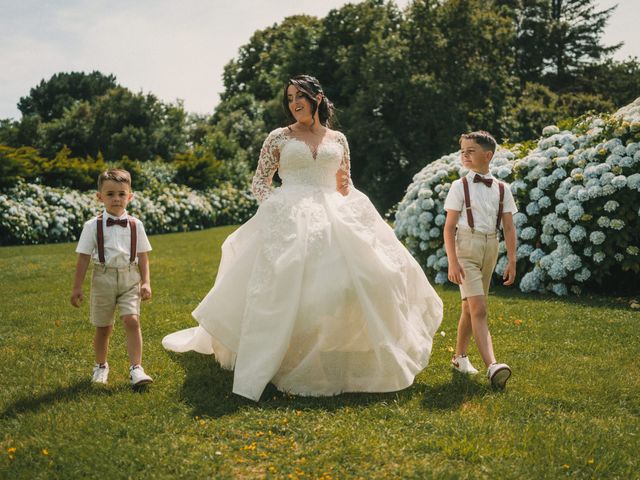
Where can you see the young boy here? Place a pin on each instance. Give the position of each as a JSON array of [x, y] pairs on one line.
[[118, 246], [476, 205]]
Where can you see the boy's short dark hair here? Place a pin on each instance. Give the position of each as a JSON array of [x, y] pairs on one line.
[[115, 175], [482, 138]]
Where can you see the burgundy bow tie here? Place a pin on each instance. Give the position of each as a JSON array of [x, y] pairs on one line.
[[486, 181], [122, 222]]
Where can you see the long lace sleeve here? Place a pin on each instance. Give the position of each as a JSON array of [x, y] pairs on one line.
[[343, 175], [267, 167]]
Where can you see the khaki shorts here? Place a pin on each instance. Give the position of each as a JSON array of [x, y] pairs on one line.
[[111, 287], [477, 253]]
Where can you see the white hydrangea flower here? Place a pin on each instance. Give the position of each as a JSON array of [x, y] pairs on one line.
[[617, 224], [619, 257], [599, 257], [597, 237], [633, 250], [550, 130], [611, 206]]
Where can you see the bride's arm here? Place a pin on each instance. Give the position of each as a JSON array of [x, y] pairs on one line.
[[343, 175], [267, 167]]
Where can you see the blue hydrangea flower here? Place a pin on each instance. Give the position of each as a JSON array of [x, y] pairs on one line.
[[633, 181], [523, 251], [532, 281], [619, 181], [536, 255], [544, 202], [535, 194], [577, 233], [528, 233], [519, 219], [559, 289], [575, 213], [441, 278], [557, 271], [583, 275], [533, 208]]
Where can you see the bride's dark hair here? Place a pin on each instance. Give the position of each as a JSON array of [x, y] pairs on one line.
[[310, 87]]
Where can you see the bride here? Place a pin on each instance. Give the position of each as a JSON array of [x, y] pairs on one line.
[[314, 293]]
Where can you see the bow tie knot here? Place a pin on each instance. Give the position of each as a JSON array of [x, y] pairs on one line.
[[117, 221], [486, 181]]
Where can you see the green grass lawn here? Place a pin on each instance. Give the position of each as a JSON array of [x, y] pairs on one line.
[[571, 409]]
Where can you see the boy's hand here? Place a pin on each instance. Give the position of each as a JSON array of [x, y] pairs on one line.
[[509, 275], [145, 291], [76, 297], [456, 273]]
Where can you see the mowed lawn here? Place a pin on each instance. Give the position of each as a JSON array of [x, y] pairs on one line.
[[571, 409]]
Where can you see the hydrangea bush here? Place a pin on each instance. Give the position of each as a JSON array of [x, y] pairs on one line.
[[578, 194], [31, 213]]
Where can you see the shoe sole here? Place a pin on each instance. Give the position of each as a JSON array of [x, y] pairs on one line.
[[142, 382], [461, 372], [500, 377]]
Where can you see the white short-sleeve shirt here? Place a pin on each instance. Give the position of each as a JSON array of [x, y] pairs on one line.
[[484, 202], [117, 241]]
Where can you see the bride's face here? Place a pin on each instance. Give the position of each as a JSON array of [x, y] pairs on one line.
[[299, 105]]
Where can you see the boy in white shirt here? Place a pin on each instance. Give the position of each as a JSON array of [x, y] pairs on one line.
[[476, 205], [118, 246]]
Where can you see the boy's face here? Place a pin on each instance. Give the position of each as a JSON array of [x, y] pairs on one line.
[[115, 196], [474, 156]]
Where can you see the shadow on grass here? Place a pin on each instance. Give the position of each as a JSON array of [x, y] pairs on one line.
[[69, 393], [208, 390], [587, 300], [451, 395]]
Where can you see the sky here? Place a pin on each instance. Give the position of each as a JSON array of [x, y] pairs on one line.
[[175, 50]]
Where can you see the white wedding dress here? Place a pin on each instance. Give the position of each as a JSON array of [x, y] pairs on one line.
[[314, 293]]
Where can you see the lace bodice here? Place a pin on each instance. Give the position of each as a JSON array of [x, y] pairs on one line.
[[298, 164]]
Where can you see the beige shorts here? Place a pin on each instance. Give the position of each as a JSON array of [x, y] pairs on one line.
[[111, 287], [477, 253]]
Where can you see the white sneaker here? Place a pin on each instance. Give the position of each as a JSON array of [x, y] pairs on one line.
[[100, 373], [138, 377], [462, 364], [498, 374]]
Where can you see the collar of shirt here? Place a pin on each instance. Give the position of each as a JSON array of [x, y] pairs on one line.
[[106, 215], [473, 173]]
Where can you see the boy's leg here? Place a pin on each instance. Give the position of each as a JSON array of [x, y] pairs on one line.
[[464, 330], [480, 326], [101, 343], [134, 338]]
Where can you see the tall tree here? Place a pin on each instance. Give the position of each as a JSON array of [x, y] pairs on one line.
[[557, 38], [50, 98]]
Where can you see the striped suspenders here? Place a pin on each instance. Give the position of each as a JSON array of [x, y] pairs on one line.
[[467, 204], [134, 240]]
